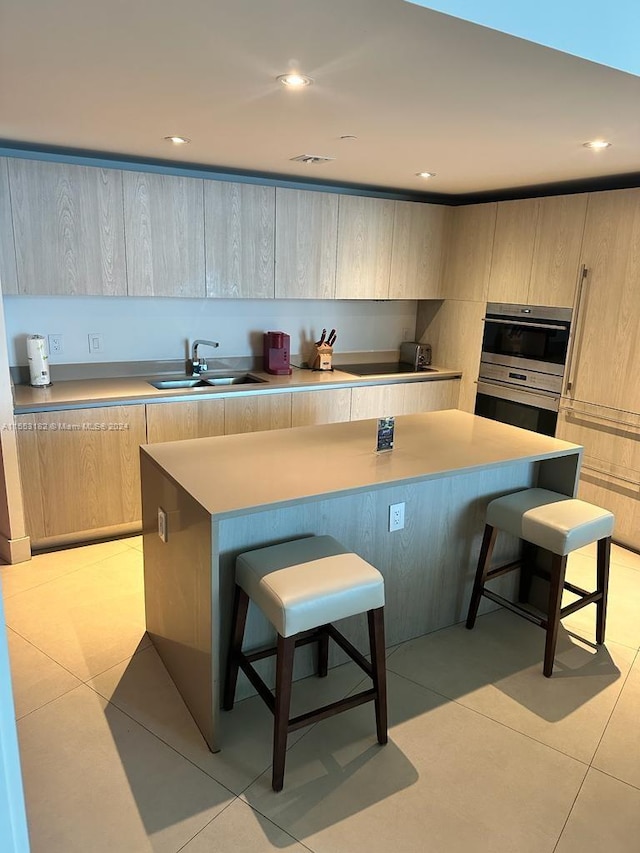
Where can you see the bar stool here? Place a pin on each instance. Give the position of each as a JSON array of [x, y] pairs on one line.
[[301, 587], [558, 524]]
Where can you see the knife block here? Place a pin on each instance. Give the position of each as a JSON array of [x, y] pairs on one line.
[[324, 355]]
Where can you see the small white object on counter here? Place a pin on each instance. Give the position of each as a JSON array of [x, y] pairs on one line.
[[38, 361]]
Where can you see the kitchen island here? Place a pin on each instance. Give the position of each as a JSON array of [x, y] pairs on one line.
[[216, 497]]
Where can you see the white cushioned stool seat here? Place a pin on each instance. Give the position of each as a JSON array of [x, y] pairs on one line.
[[552, 521], [305, 583]]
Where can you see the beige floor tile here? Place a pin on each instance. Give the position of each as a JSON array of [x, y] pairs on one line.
[[46, 567], [448, 780], [623, 623], [619, 752], [143, 689], [97, 781], [36, 679], [496, 669], [134, 542], [625, 557], [606, 816], [86, 621], [239, 829]]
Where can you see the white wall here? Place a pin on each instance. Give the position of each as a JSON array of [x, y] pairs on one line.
[[154, 328]]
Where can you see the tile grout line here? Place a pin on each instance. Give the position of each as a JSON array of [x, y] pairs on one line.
[[573, 805]]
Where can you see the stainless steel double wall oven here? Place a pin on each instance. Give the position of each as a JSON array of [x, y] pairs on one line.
[[524, 355]]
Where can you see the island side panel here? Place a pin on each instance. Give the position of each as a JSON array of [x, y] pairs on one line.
[[428, 566], [561, 474], [178, 580]]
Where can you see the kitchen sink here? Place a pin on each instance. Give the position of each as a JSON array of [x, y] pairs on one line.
[[206, 381]]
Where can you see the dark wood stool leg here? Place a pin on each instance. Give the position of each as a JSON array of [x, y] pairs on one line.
[[556, 587], [284, 674], [239, 619], [378, 664], [526, 571], [484, 561], [323, 654], [604, 555]]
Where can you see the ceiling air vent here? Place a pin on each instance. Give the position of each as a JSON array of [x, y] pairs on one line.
[[312, 158]]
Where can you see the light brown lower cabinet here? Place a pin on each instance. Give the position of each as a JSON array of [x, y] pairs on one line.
[[329, 406], [610, 474], [185, 419], [80, 470], [257, 412], [379, 401]]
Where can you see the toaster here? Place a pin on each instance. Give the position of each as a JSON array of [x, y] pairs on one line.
[[415, 354]]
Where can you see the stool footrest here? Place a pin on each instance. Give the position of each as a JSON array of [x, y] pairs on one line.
[[346, 646], [331, 710], [515, 608], [587, 598], [503, 570]]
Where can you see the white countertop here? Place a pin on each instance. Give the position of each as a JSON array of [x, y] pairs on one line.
[[90, 393], [233, 474]]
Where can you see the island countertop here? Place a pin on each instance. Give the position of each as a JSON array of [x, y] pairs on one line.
[[236, 474]]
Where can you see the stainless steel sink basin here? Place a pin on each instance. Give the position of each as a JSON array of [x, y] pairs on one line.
[[206, 381]]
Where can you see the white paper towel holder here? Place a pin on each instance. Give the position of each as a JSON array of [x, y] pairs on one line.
[[38, 362]]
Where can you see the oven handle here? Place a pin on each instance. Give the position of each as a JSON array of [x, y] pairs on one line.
[[525, 323], [541, 399], [575, 336]]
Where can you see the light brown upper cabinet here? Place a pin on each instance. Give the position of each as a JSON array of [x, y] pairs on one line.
[[239, 240], [306, 244], [417, 250], [365, 235], [68, 228], [556, 253], [468, 253], [512, 255], [536, 250], [8, 272], [606, 353], [164, 233]]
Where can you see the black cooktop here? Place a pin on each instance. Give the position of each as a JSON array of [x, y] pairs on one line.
[[379, 369]]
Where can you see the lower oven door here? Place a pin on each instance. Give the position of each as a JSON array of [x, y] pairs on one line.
[[535, 411]]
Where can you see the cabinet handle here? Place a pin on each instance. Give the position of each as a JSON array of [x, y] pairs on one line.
[[575, 329], [571, 410], [589, 466]]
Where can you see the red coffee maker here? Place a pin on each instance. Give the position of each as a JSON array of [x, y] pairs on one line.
[[276, 353]]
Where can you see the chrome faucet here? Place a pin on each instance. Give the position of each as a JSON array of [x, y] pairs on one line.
[[199, 365]]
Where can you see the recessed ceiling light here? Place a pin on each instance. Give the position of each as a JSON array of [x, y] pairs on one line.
[[596, 144], [348, 136], [177, 140], [293, 80], [425, 174]]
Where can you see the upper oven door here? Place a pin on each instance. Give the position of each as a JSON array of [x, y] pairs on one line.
[[526, 335]]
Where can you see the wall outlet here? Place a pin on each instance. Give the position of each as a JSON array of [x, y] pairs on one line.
[[405, 334], [55, 345], [95, 342], [396, 517], [163, 533]]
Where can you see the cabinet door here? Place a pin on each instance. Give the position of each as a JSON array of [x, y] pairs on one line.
[[257, 413], [164, 233], [68, 229], [469, 249], [513, 250], [239, 239], [29, 464], [185, 419], [607, 331], [320, 407], [556, 255], [431, 396], [306, 244], [365, 234], [610, 473], [417, 250], [377, 401], [88, 469], [8, 272]]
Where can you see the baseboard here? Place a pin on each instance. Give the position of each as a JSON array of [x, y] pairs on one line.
[[15, 550]]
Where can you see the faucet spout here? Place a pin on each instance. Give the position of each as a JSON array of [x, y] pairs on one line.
[[199, 365]]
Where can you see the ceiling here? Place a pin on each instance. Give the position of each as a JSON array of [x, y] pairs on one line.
[[420, 90]]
